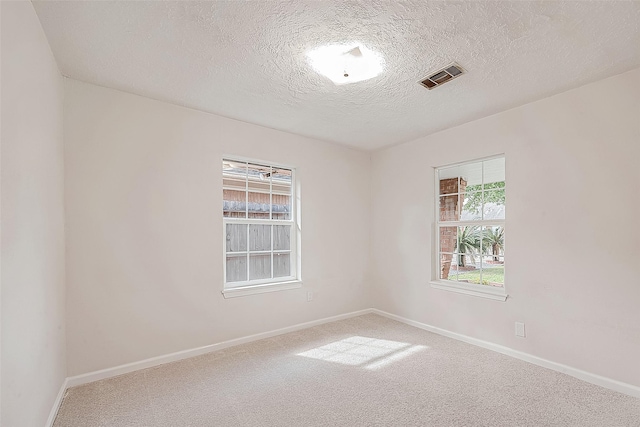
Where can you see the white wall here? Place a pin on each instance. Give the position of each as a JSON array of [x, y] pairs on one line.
[[144, 236], [573, 199], [33, 296]]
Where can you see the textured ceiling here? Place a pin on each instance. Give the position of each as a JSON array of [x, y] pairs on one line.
[[246, 59]]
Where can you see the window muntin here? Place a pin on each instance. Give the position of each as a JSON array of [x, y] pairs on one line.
[[259, 224], [470, 224]]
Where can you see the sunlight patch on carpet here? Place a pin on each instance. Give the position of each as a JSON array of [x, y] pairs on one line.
[[369, 353]]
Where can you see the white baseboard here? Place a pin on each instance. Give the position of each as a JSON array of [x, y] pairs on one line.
[[185, 354], [57, 403], [615, 385], [601, 381]]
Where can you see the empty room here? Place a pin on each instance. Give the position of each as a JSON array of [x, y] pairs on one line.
[[320, 213]]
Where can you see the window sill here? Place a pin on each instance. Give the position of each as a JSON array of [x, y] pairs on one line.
[[261, 289], [476, 291]]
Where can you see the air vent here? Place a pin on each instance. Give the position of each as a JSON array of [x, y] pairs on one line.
[[442, 76]]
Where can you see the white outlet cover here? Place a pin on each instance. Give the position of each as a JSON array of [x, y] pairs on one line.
[[520, 329], [309, 295]]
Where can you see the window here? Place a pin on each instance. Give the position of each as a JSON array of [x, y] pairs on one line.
[[470, 225], [259, 227]]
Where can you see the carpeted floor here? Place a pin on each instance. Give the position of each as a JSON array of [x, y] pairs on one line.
[[364, 371]]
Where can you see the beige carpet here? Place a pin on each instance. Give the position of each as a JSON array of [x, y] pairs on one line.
[[365, 371]]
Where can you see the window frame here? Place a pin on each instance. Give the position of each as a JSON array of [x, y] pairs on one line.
[[249, 287], [478, 290]]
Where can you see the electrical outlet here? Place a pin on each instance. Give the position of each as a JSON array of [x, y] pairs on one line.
[[309, 296], [520, 329]]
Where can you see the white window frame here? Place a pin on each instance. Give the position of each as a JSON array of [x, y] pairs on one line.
[[478, 290], [250, 287]]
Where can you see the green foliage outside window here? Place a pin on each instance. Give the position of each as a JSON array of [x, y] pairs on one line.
[[473, 195]]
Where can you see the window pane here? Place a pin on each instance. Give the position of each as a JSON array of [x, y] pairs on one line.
[[447, 260], [449, 208], [468, 251], [236, 237], [259, 266], [259, 178], [493, 275], [236, 268], [234, 203], [471, 206], [493, 171], [281, 206], [259, 172], [494, 205], [448, 236], [259, 205], [234, 177], [233, 169], [449, 178], [282, 196], [470, 177], [468, 247], [281, 265], [455, 268], [259, 237], [281, 237], [492, 242], [448, 239]]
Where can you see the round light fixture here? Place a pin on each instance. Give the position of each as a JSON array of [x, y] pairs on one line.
[[346, 63]]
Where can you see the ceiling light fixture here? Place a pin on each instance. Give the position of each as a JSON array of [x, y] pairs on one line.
[[346, 63]]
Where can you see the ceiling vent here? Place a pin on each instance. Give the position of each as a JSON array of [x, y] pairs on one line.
[[442, 76]]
